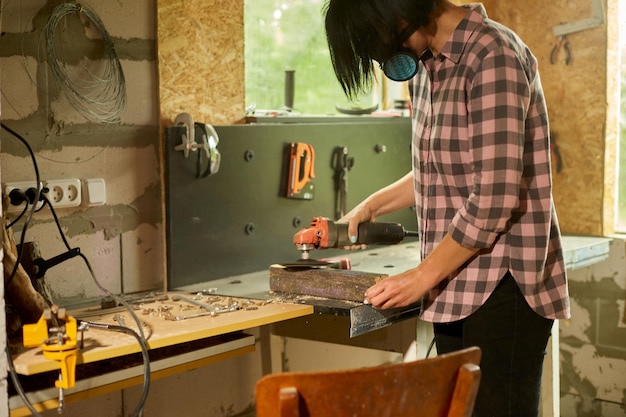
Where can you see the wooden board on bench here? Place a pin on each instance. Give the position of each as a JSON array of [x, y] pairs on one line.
[[339, 284]]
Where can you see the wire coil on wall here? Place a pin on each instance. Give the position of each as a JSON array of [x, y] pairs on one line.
[[99, 94]]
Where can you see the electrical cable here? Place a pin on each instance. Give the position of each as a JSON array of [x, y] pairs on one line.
[[430, 347], [144, 352], [140, 336], [10, 225], [56, 221], [20, 251], [88, 265], [141, 339], [98, 97], [17, 384]]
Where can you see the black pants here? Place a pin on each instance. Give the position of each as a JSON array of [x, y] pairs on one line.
[[513, 340]]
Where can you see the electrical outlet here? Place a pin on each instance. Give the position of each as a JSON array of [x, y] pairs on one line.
[[61, 193], [23, 186], [64, 193]]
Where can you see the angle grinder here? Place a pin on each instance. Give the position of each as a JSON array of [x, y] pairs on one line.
[[324, 233]]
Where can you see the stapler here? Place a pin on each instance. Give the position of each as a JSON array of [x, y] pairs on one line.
[[301, 171]]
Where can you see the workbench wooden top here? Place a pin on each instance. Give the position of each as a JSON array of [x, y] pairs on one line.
[[100, 344]]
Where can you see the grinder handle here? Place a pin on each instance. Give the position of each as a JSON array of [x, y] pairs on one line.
[[371, 234]]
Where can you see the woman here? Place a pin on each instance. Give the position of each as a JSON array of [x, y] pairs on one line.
[[492, 272]]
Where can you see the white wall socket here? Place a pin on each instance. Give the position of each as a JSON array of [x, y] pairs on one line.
[[23, 186], [62, 193]]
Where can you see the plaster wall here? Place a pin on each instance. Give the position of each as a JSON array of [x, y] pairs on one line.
[[593, 341]]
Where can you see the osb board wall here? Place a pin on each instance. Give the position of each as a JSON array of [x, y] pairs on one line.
[[200, 58], [576, 97]]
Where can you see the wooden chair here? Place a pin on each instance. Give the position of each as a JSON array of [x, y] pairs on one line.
[[445, 385]]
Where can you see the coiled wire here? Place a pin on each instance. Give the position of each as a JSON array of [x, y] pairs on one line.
[[99, 97]]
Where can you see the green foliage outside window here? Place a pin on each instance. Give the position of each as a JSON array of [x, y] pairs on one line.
[[288, 35]]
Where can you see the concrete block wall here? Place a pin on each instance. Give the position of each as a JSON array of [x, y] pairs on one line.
[[123, 239]]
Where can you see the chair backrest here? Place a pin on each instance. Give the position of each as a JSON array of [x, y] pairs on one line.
[[445, 385]]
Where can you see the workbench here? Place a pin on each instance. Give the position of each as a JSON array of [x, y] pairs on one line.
[[337, 322], [111, 361], [182, 345]]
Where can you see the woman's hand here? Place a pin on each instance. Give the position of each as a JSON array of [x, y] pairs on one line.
[[393, 197], [396, 291], [354, 217], [408, 287]]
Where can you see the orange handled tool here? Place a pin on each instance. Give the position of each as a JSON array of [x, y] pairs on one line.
[[301, 163]]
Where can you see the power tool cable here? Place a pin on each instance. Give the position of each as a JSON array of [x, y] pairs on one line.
[[32, 210]]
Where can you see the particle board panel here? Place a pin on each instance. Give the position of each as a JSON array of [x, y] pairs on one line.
[[200, 60]]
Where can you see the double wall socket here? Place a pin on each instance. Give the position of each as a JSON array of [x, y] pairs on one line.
[[62, 193]]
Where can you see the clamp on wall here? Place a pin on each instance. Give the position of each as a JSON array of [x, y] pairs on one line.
[[209, 157]]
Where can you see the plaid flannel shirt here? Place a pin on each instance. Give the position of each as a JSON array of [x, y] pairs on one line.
[[481, 160]]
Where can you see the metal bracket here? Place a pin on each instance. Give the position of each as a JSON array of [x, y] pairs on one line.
[[188, 140], [207, 145], [584, 24]]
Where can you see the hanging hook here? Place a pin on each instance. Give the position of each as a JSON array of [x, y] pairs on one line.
[[561, 44]]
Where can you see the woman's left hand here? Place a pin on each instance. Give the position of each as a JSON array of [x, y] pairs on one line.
[[396, 291], [408, 287]]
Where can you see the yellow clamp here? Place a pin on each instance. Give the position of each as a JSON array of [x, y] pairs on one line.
[[59, 346]]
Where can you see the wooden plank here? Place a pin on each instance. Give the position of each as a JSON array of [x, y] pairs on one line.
[[338, 284]]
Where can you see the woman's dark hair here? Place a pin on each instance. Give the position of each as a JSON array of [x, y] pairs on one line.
[[359, 31]]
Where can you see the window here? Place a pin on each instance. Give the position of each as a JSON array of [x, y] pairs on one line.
[[288, 35], [283, 35]]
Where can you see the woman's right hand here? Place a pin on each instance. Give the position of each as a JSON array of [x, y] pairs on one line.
[[354, 217], [391, 198]]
